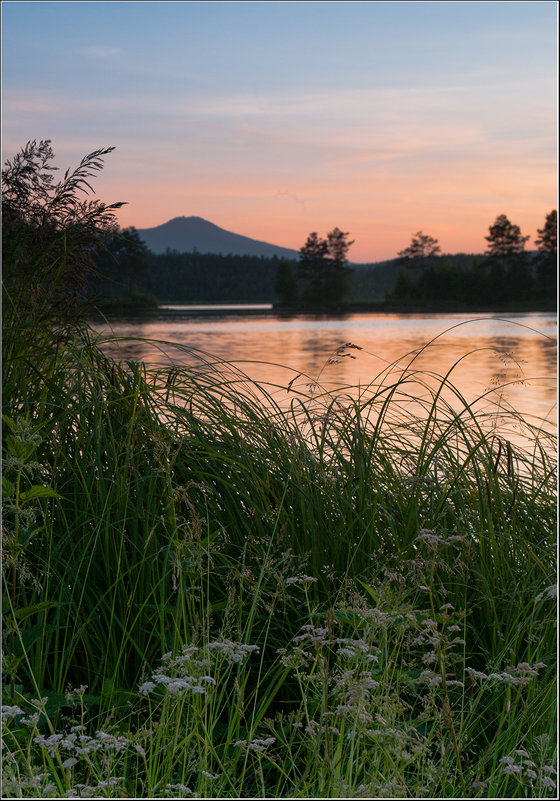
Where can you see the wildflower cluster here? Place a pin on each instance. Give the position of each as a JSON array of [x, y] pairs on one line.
[[301, 580], [15, 712], [432, 539], [81, 790], [353, 689], [77, 754], [258, 744], [313, 727], [520, 675], [528, 772], [187, 672], [234, 653], [178, 790], [80, 744]]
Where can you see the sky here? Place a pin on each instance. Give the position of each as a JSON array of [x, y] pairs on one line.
[[276, 119]]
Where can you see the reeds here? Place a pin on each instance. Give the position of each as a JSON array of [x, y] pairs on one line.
[[226, 589]]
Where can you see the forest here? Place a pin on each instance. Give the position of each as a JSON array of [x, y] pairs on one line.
[[418, 277]]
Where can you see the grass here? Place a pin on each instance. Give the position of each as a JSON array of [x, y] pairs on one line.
[[208, 592]]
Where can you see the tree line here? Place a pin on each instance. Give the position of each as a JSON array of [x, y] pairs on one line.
[[506, 273], [322, 277], [185, 277]]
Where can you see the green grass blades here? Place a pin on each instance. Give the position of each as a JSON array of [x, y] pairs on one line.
[[219, 588]]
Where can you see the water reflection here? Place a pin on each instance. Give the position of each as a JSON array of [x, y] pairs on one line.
[[513, 358]]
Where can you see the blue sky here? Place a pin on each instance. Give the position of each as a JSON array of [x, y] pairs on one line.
[[276, 119]]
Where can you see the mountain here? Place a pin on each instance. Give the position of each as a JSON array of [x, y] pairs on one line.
[[186, 234]]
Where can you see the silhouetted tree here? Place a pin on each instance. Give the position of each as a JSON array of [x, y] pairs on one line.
[[323, 266], [338, 247], [504, 238], [422, 248], [337, 284], [313, 259], [547, 240], [546, 261], [510, 274]]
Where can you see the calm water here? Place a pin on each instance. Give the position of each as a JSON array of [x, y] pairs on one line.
[[515, 356]]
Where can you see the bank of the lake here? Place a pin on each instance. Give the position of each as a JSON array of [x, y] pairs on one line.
[[118, 308]]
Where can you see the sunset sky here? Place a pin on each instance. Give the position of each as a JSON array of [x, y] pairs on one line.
[[275, 119]]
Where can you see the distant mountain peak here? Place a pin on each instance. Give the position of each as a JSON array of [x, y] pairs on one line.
[[191, 217], [187, 234]]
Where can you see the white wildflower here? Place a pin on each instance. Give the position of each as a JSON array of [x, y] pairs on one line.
[[300, 580], [346, 652], [11, 712], [257, 744], [530, 773], [510, 769], [30, 720], [179, 788]]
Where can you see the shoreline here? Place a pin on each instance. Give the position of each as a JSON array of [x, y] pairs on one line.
[[239, 309]]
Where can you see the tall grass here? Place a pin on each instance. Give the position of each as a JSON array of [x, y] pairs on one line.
[[212, 592]]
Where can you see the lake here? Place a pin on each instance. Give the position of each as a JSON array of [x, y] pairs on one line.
[[513, 357]]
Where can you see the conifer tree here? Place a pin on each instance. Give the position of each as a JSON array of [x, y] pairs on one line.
[[422, 247], [547, 240], [504, 238]]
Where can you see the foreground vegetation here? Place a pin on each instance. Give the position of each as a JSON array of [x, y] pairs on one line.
[[212, 591], [215, 588]]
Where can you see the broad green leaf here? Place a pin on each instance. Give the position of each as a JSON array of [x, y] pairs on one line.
[[39, 492], [21, 450]]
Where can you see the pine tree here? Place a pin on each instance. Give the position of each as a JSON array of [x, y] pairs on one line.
[[422, 247], [546, 261], [547, 240], [323, 266], [504, 238]]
